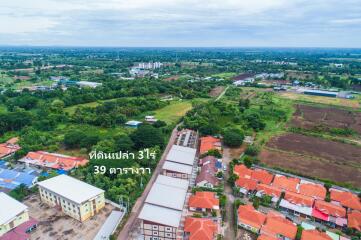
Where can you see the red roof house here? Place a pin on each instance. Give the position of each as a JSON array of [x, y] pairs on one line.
[[209, 143], [277, 225], [9, 147], [269, 190], [346, 199], [246, 184], [262, 176], [242, 171], [204, 201], [53, 160], [313, 190], [314, 235], [354, 220], [285, 183], [329, 212], [249, 218], [200, 228]]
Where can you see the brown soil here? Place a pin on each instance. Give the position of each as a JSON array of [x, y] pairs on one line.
[[309, 117], [315, 157], [215, 92]]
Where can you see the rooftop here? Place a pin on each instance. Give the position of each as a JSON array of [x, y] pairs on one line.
[[314, 235], [54, 160], [276, 224], [180, 154], [330, 209], [209, 143], [269, 190], [242, 171], [246, 183], [71, 188], [250, 216], [298, 199], [347, 199], [313, 190], [168, 192], [200, 228], [285, 183], [354, 220], [161, 215], [204, 200], [262, 176], [10, 208], [177, 167]]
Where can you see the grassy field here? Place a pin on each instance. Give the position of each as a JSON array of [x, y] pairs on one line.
[[225, 75], [72, 109], [352, 103], [173, 112]]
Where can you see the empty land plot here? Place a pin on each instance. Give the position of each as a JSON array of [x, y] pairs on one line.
[[215, 92], [309, 117], [53, 224], [352, 103], [315, 157]]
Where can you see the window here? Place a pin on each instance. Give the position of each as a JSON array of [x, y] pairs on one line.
[[168, 235], [155, 233], [168, 229]]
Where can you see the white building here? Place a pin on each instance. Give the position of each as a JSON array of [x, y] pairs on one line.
[[12, 213], [162, 212], [72, 196], [177, 170]]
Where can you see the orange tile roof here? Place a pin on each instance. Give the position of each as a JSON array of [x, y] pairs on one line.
[[200, 228], [313, 190], [242, 171], [285, 183], [314, 235], [354, 220], [249, 215], [346, 199], [246, 183], [13, 140], [298, 199], [265, 237], [262, 176], [53, 160], [7, 149], [209, 143], [330, 209], [269, 190], [204, 200], [279, 225]]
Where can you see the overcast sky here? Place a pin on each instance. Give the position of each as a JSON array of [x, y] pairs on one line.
[[226, 23]]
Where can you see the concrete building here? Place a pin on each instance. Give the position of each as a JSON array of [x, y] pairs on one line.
[[162, 212], [177, 170], [183, 155], [73, 197], [12, 214]]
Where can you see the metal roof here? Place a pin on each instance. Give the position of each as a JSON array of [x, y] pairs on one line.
[[10, 208], [161, 215], [167, 196], [71, 188], [110, 225], [180, 154], [177, 167]]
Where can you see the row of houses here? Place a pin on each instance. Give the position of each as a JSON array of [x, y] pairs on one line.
[[302, 198], [275, 226]]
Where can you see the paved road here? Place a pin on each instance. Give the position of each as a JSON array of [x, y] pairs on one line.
[[130, 224]]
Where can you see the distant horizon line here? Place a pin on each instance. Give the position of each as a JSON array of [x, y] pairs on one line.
[[204, 47]]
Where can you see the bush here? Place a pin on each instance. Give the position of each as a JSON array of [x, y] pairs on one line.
[[233, 137], [252, 150]]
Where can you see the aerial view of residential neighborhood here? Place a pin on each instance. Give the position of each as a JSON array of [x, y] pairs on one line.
[[158, 120]]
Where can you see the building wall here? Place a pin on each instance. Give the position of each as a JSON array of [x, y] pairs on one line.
[[80, 212], [248, 227], [154, 231], [19, 219]]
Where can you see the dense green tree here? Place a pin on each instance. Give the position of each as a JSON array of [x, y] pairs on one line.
[[233, 137], [147, 136]]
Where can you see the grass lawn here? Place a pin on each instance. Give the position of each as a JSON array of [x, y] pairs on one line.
[[72, 109], [174, 111], [225, 75]]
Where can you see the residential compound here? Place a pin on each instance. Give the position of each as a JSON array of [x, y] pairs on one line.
[[73, 197], [296, 198], [14, 219], [169, 208]]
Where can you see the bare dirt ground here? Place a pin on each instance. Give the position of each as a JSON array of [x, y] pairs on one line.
[[309, 117], [215, 92], [54, 225], [315, 157]]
